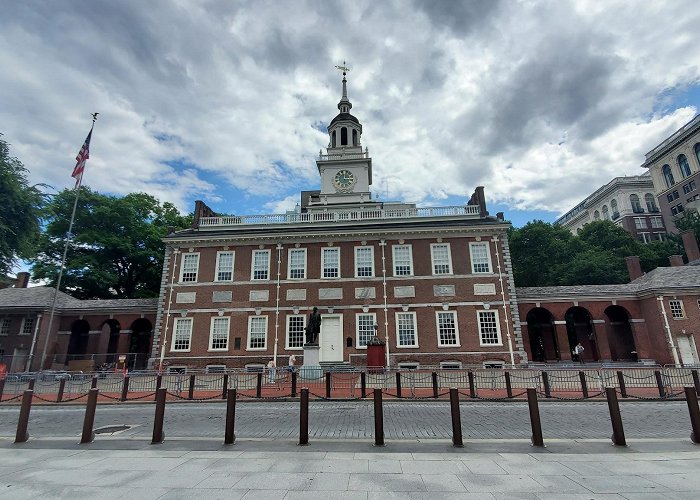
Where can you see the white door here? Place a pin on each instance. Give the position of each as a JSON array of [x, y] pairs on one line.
[[331, 338], [686, 349], [19, 360]]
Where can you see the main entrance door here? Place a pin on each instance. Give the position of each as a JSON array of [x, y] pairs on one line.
[[331, 338], [685, 347]]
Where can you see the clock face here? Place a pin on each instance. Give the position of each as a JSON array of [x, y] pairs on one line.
[[344, 180]]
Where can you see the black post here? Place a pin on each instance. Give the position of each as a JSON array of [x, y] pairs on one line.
[[363, 384], [158, 434], [230, 437], [378, 418], [294, 384], [456, 419], [89, 421], [225, 387], [398, 384], [435, 384], [258, 386], [159, 383], [190, 391], [692, 400], [509, 387], [621, 381], [125, 388], [94, 382], [696, 381], [30, 386], [535, 421], [545, 383], [328, 385], [23, 422], [304, 417], [2, 387], [618, 436], [584, 384], [61, 390], [660, 384], [472, 388]]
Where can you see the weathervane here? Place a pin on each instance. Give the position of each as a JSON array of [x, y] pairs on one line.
[[343, 68]]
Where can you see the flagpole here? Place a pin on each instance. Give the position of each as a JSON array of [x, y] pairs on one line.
[[69, 238]]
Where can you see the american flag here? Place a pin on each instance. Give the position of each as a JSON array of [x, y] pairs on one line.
[[82, 157]]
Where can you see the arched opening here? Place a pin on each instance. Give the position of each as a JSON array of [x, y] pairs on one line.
[[114, 328], [579, 328], [651, 204], [354, 137], [543, 339], [79, 336], [636, 205], [668, 175], [333, 139], [683, 165], [613, 209], [139, 344], [596, 215], [606, 215], [344, 136], [696, 149], [620, 338]]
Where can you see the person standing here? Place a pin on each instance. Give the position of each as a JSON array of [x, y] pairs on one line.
[[292, 361], [271, 371], [578, 351]]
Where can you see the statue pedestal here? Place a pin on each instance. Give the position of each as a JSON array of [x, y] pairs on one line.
[[311, 369]]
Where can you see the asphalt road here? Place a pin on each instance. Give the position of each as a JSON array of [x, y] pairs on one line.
[[355, 420]]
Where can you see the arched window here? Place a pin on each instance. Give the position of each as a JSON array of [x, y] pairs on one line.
[[344, 136], [636, 206], [651, 204], [683, 165], [668, 175], [606, 216], [354, 137], [697, 152], [596, 215], [333, 139], [613, 209]]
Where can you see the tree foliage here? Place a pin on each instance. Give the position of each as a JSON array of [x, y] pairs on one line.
[[20, 206], [117, 249]]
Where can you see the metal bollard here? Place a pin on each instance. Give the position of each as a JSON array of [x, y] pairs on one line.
[[472, 388], [61, 390], [190, 390], [363, 385], [545, 383], [535, 422], [398, 384], [509, 387], [378, 418], [660, 384], [584, 384], [621, 382], [258, 386], [696, 381], [618, 436], [230, 436], [89, 420], [435, 384], [159, 384], [328, 385], [125, 388], [158, 434], [225, 387], [23, 422], [294, 384], [456, 419], [304, 417], [691, 398], [94, 382]]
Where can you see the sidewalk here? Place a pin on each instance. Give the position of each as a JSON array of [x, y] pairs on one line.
[[328, 470]]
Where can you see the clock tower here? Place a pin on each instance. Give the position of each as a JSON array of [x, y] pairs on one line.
[[345, 169]]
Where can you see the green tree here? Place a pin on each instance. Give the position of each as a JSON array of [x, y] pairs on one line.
[[117, 249], [20, 206], [690, 221]]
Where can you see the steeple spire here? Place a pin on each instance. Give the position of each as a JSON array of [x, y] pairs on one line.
[[344, 105]]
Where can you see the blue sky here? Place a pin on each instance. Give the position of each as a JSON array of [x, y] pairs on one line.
[[226, 101]]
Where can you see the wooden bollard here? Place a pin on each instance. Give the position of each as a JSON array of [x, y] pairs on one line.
[[378, 418], [328, 385], [545, 383], [61, 390], [472, 387], [434, 378], [691, 398], [159, 384], [30, 386], [224, 391], [2, 387], [89, 420], [158, 434], [696, 381], [190, 389], [584, 384], [258, 386], [621, 383], [294, 384], [398, 384], [618, 435], [125, 388], [456, 419], [304, 417], [23, 422], [230, 436], [660, 383], [363, 385], [93, 385], [535, 422], [509, 387]]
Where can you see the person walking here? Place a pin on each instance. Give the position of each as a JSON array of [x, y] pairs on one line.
[[271, 371], [292, 361]]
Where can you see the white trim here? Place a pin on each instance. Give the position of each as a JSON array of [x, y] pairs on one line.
[[216, 267], [410, 259], [31, 328], [682, 308], [221, 367], [437, 328], [252, 264], [357, 327], [174, 336], [415, 330], [214, 319], [289, 263], [450, 270], [457, 365], [323, 262], [473, 244], [250, 322], [182, 267], [303, 331], [498, 327], [371, 249]]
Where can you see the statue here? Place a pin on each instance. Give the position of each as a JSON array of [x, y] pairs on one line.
[[313, 327]]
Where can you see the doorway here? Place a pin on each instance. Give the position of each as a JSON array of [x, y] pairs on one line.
[[331, 338]]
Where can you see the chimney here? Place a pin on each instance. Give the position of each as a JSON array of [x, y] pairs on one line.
[[690, 244], [675, 260], [22, 280], [634, 268]]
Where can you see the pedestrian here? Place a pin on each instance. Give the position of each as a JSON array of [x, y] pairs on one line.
[[292, 360], [578, 352], [271, 371]]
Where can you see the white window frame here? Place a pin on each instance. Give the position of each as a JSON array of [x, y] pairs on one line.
[[251, 320], [481, 327], [214, 321], [394, 248], [677, 308], [323, 262], [474, 244], [218, 270], [181, 369], [217, 369], [657, 223], [253, 268], [640, 223], [358, 330], [25, 321], [450, 365], [408, 365], [495, 364], [289, 263], [437, 327], [254, 368], [357, 262], [190, 279], [303, 337], [175, 338], [5, 326], [398, 328], [434, 263]]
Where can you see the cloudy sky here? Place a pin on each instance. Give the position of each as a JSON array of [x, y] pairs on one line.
[[541, 102]]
